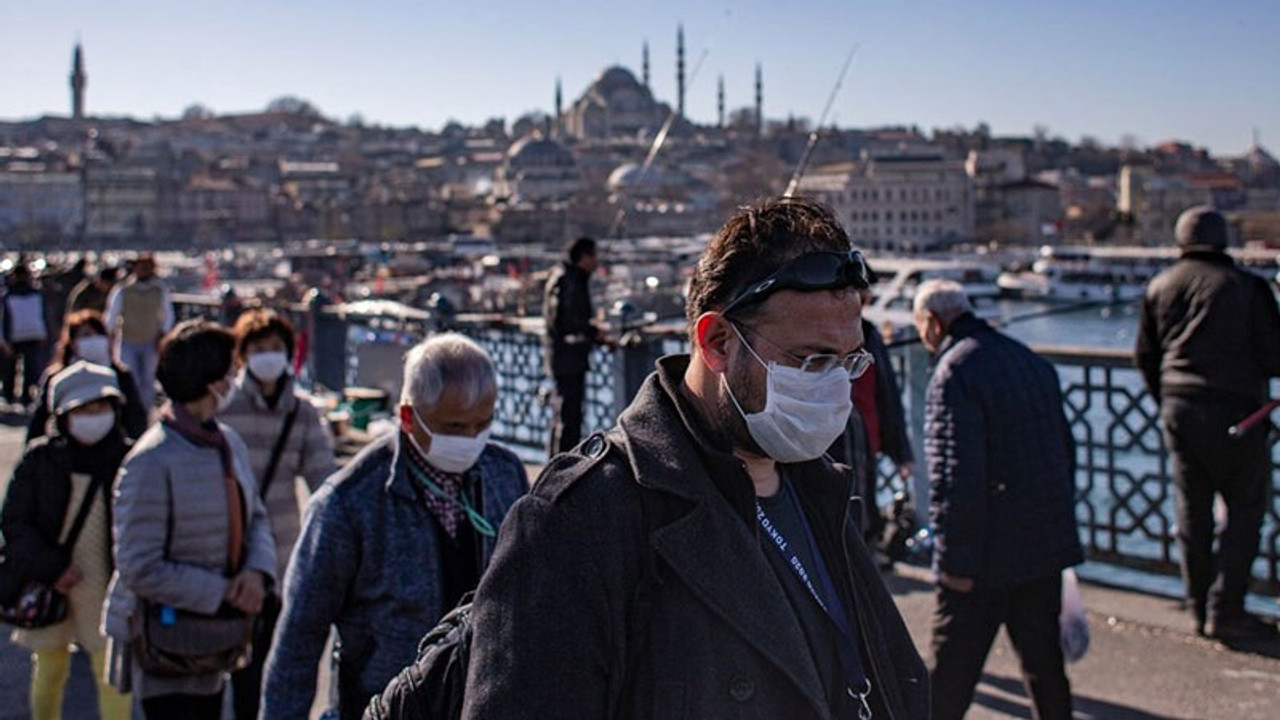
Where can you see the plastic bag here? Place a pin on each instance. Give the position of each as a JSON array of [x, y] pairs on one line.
[[1073, 624]]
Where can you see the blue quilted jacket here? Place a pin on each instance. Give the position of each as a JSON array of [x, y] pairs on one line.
[[367, 563], [1001, 460]]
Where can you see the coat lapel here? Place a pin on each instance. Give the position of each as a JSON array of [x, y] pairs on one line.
[[721, 561], [714, 549]]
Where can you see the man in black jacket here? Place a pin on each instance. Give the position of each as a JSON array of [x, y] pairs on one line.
[[1208, 342], [569, 337], [1002, 501], [700, 560]]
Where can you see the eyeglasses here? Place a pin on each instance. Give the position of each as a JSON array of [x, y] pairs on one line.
[[856, 363], [816, 271]]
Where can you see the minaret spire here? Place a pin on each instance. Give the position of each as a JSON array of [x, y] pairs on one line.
[[78, 81], [555, 123], [759, 100], [644, 64], [720, 103], [680, 70]]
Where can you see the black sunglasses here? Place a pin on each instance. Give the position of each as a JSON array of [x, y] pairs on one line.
[[816, 271]]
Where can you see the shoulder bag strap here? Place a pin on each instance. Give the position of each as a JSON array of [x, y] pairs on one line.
[[82, 515], [278, 450]]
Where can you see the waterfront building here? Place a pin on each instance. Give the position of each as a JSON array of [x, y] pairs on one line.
[[1155, 201], [899, 201], [38, 206]]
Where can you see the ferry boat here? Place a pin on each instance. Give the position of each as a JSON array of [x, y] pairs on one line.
[[898, 279], [1073, 274]]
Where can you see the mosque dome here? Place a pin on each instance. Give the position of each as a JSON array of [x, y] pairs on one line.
[[536, 151], [628, 177], [614, 79]]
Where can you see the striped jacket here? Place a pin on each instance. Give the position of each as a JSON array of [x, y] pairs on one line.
[[307, 455]]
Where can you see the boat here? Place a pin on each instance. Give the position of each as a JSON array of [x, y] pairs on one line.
[[899, 278], [1074, 274]]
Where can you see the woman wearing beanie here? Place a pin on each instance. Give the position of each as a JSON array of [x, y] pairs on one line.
[[59, 473], [84, 337], [287, 440], [194, 553]]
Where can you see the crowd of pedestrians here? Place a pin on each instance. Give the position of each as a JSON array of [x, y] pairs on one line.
[[717, 550]]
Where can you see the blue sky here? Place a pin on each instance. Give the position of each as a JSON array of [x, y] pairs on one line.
[[1158, 69]]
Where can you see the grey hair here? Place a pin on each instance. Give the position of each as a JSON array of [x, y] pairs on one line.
[[447, 360], [944, 298]]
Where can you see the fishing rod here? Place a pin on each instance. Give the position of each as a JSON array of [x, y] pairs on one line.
[[1258, 416], [659, 141], [817, 129]]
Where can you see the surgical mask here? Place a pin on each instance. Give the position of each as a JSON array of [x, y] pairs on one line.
[[804, 412], [94, 348], [268, 366], [90, 428], [224, 401], [451, 453]]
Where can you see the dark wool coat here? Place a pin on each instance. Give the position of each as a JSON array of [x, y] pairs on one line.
[[556, 615], [1208, 328], [1001, 460], [568, 313]]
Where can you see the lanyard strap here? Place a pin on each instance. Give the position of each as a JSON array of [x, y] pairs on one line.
[[857, 684], [477, 520]]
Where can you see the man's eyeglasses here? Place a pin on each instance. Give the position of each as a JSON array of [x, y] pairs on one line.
[[856, 363], [816, 271]]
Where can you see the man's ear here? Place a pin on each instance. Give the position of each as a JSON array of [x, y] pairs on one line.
[[406, 418], [712, 332]]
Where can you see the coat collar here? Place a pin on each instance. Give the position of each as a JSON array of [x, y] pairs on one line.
[[252, 391], [715, 549], [965, 326]]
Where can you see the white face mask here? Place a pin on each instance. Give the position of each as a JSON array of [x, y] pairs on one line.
[[90, 428], [94, 348], [267, 366], [451, 453], [804, 412], [224, 401]]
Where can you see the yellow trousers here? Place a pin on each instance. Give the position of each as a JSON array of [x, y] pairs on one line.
[[49, 672]]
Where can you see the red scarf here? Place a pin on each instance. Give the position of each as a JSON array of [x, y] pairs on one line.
[[209, 435]]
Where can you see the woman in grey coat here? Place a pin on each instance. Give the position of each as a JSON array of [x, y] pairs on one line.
[[190, 530]]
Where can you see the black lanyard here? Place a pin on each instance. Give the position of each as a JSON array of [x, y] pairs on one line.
[[857, 685]]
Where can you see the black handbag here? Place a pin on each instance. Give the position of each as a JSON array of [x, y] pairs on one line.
[[37, 604], [171, 642]]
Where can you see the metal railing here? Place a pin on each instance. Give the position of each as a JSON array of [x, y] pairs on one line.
[[1124, 489]]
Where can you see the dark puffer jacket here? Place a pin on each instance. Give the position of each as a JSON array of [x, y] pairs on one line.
[[554, 625], [1208, 327], [1001, 460], [35, 506]]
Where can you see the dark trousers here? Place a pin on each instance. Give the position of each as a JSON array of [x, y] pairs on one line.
[[965, 625], [246, 684], [30, 353], [1207, 462], [566, 428], [183, 707]]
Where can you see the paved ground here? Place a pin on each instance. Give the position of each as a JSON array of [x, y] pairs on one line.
[[1144, 663]]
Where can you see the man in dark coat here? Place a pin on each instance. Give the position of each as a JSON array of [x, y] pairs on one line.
[[700, 559], [1208, 342], [569, 337], [1002, 501]]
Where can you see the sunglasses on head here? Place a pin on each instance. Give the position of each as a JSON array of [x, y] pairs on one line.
[[816, 271]]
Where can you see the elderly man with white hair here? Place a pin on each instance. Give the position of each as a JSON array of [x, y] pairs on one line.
[[391, 542], [1002, 485]]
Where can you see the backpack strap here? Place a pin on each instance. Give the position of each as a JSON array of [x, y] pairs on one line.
[[278, 449], [82, 514], [653, 510]]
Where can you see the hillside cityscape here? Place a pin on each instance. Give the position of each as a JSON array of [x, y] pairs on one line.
[[290, 173]]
